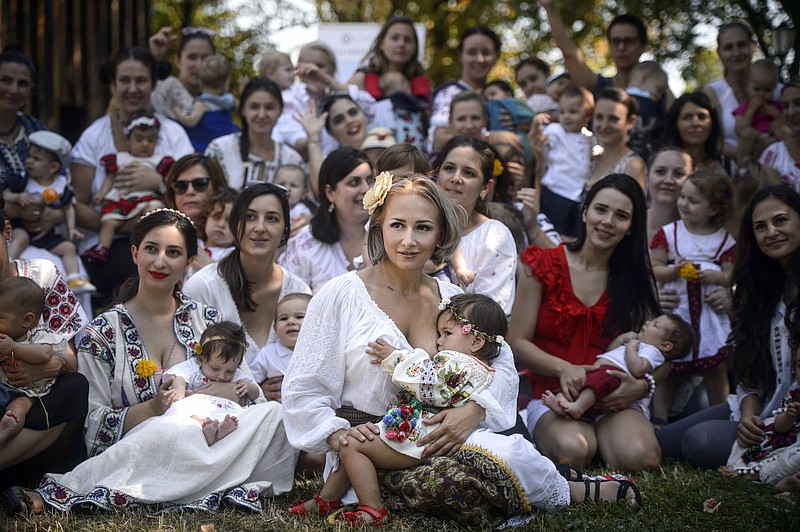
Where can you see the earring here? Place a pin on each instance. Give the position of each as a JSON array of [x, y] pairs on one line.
[[331, 207]]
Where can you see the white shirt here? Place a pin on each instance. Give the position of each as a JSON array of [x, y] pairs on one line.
[[313, 261], [646, 351], [271, 361], [569, 160], [777, 156], [225, 150]]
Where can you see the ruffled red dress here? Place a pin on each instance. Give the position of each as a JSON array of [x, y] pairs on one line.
[[565, 328]]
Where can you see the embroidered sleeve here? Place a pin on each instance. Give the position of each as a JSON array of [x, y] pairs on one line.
[[728, 256], [109, 162], [62, 312], [660, 241]]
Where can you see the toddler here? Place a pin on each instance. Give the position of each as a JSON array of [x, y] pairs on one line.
[[295, 180], [273, 359], [760, 112], [532, 74], [278, 67], [214, 229], [667, 337], [210, 116], [566, 153], [648, 84], [21, 305], [118, 206], [219, 354], [777, 456], [48, 155], [694, 256], [557, 84], [406, 114], [499, 98]]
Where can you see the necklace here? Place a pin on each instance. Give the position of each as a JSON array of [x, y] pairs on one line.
[[396, 290], [165, 364], [10, 131]]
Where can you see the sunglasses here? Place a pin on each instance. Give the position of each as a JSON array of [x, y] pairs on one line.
[[199, 184], [187, 31]]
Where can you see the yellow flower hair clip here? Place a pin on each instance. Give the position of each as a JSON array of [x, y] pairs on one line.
[[145, 368], [375, 196], [198, 349], [498, 168]]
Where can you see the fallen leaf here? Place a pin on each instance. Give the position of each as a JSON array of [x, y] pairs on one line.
[[711, 506], [786, 497], [207, 528]]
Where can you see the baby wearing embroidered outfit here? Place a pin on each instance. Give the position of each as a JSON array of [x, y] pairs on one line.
[[470, 331], [273, 360], [219, 355], [21, 305], [667, 337]]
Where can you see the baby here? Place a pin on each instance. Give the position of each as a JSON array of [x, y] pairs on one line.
[[278, 67], [648, 84], [760, 112], [295, 180], [273, 359], [500, 102], [667, 337], [210, 116], [219, 354], [214, 229], [392, 82], [557, 84], [49, 153], [405, 114], [21, 305]]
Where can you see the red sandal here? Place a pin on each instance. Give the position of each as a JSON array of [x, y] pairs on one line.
[[298, 507], [355, 518]]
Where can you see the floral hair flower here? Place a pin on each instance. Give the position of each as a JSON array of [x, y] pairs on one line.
[[688, 271], [498, 168], [145, 368], [198, 349], [466, 329], [466, 326], [375, 196], [444, 303]]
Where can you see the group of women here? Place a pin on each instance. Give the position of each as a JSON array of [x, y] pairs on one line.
[[567, 302]]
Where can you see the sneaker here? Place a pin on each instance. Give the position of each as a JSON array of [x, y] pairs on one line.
[[80, 285], [98, 254]]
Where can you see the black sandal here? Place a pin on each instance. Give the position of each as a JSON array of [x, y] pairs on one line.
[[622, 490], [569, 472], [15, 500]]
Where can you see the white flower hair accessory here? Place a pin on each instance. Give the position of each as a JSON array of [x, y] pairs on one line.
[[375, 196], [444, 303], [141, 121]]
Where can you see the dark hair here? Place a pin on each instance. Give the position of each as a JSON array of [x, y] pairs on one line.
[[480, 29], [153, 220], [501, 84], [23, 295], [716, 186], [254, 85], [375, 61], [468, 96], [225, 339], [139, 114], [760, 283], [403, 154], [630, 20], [222, 197], [536, 63], [197, 35], [682, 338], [673, 137], [487, 157], [108, 70], [13, 54], [620, 96], [576, 91], [328, 102], [215, 173], [631, 285], [336, 166], [484, 314], [230, 267], [738, 25]]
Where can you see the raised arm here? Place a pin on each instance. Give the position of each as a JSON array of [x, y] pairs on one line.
[[574, 60]]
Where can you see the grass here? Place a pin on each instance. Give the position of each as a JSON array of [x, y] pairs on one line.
[[673, 500]]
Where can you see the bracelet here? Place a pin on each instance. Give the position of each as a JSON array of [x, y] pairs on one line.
[[13, 362], [651, 384]]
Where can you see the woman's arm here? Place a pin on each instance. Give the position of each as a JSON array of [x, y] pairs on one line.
[[751, 426], [82, 177], [661, 270], [313, 124], [637, 170], [576, 65], [11, 351]]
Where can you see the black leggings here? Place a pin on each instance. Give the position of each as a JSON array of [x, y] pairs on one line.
[[703, 439]]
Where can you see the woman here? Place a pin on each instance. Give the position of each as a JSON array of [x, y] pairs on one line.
[[412, 222], [765, 333], [332, 244], [783, 156], [736, 44], [573, 301], [123, 353], [693, 124], [52, 434], [466, 172], [614, 116], [251, 155], [669, 169], [195, 45], [478, 51], [131, 74], [247, 284], [394, 49]]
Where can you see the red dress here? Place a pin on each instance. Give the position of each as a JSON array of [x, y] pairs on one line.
[[565, 328]]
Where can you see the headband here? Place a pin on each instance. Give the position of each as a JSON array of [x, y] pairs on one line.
[[141, 121], [468, 327], [171, 211]]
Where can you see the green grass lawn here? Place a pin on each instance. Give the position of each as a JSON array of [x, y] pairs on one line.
[[673, 500]]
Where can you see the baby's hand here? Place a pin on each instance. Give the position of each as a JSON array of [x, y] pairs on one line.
[[465, 276], [6, 342], [97, 198], [74, 234], [708, 277], [177, 394], [380, 350], [628, 337], [241, 387], [634, 343]]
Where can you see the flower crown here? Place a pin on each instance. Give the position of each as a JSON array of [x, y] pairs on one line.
[[165, 209], [141, 121], [498, 168], [466, 326], [375, 196]]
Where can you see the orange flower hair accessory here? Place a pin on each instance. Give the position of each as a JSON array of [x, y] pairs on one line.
[[145, 368]]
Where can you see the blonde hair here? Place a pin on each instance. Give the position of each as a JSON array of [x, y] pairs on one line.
[[450, 216], [270, 61]]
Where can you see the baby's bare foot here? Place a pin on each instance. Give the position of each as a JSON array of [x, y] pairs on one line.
[[209, 427], [551, 401], [226, 426], [572, 409], [9, 426], [791, 482]]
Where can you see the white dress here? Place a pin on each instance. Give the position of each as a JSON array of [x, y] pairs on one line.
[[207, 286], [706, 253], [728, 104], [200, 404], [777, 156], [490, 252], [313, 261], [225, 150], [330, 369]]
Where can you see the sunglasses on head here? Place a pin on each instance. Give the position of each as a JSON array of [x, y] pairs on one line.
[[199, 184], [194, 31]]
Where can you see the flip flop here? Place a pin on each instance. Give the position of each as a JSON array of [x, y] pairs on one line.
[[569, 472]]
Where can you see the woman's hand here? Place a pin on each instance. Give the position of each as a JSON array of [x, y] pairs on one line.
[[25, 373], [272, 388], [505, 137], [363, 432], [159, 42], [530, 208], [571, 379], [312, 122], [630, 390], [137, 178], [669, 299], [750, 431], [719, 300], [220, 389], [456, 426], [164, 397]]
